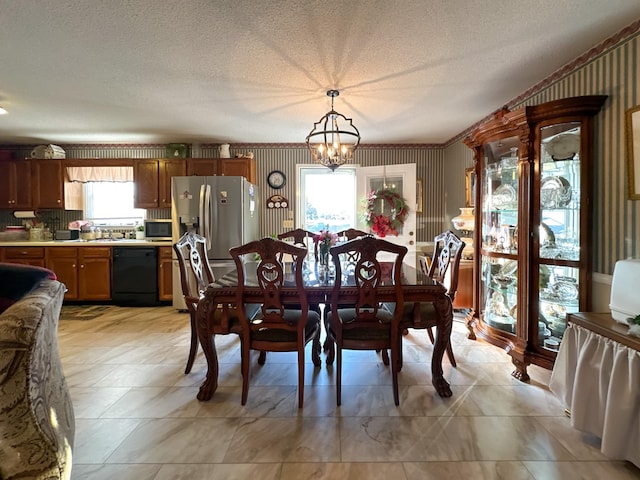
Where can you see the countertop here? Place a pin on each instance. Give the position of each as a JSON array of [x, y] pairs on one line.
[[87, 243]]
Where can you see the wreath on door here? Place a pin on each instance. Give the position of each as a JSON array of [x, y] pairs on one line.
[[386, 212]]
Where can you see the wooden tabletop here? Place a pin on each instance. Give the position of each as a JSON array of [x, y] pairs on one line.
[[603, 324]]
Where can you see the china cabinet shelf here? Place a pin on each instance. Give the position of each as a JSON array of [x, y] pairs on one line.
[[533, 226]]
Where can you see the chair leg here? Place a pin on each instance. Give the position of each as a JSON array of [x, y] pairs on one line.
[[315, 350], [338, 375], [431, 337], [452, 359], [300, 375], [385, 356], [262, 358], [194, 346], [246, 369]]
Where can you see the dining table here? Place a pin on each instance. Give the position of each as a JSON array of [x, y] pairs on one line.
[[216, 309]]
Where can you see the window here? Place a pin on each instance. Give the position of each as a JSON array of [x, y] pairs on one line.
[[111, 203], [327, 199]]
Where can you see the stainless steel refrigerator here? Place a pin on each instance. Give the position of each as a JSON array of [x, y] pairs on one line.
[[222, 209]]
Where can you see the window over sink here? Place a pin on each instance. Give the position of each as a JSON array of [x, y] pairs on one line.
[[111, 204]]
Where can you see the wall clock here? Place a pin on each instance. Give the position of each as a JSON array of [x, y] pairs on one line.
[[276, 179]]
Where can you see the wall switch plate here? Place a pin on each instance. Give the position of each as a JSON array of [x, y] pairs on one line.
[[287, 224]]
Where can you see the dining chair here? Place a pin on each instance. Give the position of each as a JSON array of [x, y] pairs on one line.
[[274, 328], [301, 237], [351, 233], [358, 321], [445, 265], [195, 276]]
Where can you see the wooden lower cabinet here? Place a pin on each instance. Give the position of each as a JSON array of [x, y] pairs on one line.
[[25, 255], [86, 271], [165, 274]]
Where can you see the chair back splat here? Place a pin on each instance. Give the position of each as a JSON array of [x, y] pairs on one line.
[[195, 276], [274, 327], [444, 263], [359, 322], [350, 234]]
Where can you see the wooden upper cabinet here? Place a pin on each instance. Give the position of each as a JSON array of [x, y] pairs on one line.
[[15, 184], [230, 167], [202, 167], [167, 169], [238, 167], [145, 176], [152, 179], [48, 184]]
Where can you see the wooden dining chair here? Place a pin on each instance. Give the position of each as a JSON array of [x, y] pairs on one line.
[[301, 237], [350, 234], [359, 322], [195, 276], [446, 259], [274, 328]]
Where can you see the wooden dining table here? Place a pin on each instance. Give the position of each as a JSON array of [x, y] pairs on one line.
[[215, 311]]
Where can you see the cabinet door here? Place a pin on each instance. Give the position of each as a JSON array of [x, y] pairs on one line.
[[63, 261], [167, 169], [48, 187], [94, 274], [145, 176], [25, 255], [238, 167], [15, 184], [202, 167], [165, 274]]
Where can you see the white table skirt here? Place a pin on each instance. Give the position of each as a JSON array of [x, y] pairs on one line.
[[598, 379]]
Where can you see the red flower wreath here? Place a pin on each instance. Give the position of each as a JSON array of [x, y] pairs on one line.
[[381, 224]]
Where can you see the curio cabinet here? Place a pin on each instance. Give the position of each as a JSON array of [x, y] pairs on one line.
[[533, 226]]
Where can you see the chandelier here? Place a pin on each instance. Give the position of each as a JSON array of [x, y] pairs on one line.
[[331, 144]]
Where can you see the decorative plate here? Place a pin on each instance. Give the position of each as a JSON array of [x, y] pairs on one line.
[[505, 196], [555, 192], [564, 146], [508, 268]]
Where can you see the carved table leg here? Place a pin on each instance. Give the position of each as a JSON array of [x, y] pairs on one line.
[[443, 335], [207, 308]]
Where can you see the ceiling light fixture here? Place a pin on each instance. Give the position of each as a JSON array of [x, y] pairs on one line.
[[3, 111], [331, 144]]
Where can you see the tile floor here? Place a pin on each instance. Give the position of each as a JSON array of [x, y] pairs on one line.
[[137, 416]]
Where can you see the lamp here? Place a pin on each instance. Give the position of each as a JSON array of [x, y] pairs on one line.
[[465, 222], [331, 144]]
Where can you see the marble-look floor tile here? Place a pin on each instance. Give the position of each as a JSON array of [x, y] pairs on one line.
[[338, 471], [176, 440], [228, 471], [502, 438], [284, 440], [96, 439], [137, 416], [388, 439], [470, 470], [111, 472]]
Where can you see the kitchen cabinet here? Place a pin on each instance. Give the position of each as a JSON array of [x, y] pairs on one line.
[[152, 179], [86, 271], [165, 274], [533, 226], [48, 183], [239, 167], [24, 255], [15, 184]]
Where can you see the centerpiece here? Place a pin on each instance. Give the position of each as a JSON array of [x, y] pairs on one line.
[[324, 241], [385, 212]]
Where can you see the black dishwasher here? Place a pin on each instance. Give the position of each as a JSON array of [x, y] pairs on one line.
[[134, 278]]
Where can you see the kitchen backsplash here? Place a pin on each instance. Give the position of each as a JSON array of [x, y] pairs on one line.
[[59, 219]]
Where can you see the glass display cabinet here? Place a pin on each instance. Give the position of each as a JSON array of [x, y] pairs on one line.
[[533, 225]]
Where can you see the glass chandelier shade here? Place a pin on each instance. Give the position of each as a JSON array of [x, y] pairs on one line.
[[333, 138]]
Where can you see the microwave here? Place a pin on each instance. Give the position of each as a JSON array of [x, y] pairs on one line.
[[158, 230]]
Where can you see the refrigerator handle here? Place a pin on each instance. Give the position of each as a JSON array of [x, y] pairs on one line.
[[205, 213]]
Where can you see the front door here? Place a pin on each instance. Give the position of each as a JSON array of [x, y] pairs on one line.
[[401, 179]]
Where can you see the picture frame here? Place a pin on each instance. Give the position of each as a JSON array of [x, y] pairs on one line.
[[419, 197], [632, 133], [470, 186]]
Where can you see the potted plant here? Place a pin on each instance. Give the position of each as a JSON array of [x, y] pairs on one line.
[[139, 232]]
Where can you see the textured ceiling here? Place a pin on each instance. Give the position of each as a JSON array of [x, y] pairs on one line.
[[236, 71]]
